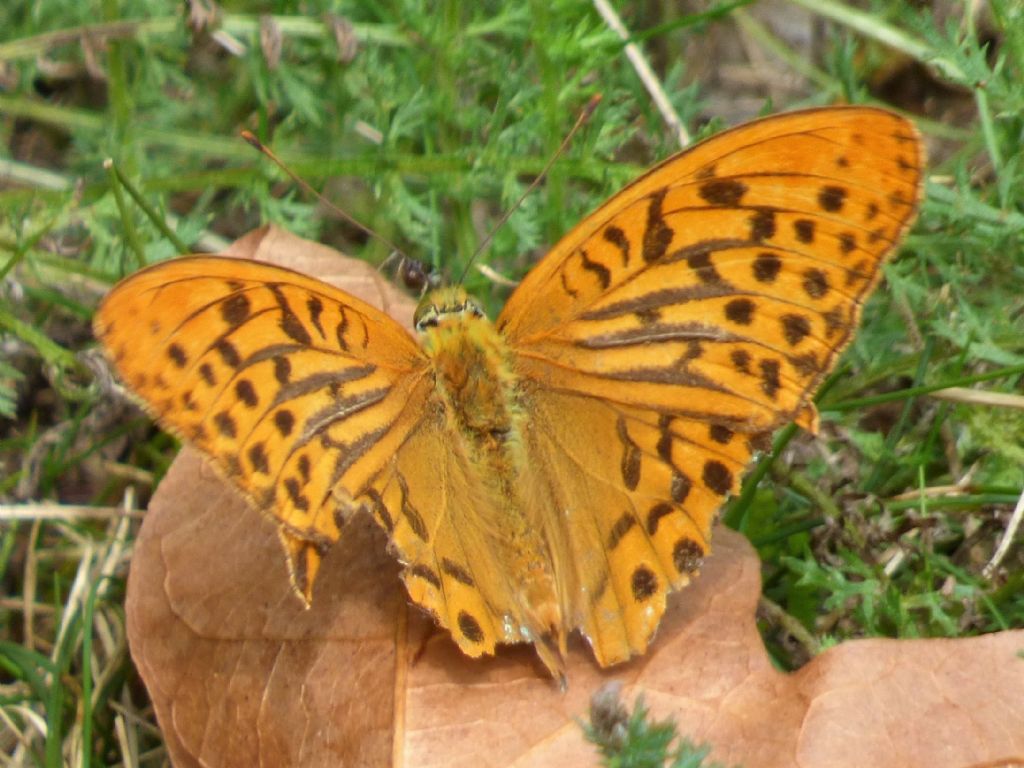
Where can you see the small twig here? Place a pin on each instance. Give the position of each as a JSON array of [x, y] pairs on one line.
[[127, 472], [133, 717], [117, 544], [34, 724], [778, 615], [1006, 540], [28, 590], [893, 562], [645, 73], [979, 397], [909, 321], [495, 276], [961, 488], [17, 605], [76, 597], [66, 512]]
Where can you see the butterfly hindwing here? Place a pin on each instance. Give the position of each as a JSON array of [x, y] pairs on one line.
[[638, 492], [462, 551], [419, 500]]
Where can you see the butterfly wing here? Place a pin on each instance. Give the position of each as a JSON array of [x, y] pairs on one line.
[[432, 501], [687, 317], [297, 392], [636, 489]]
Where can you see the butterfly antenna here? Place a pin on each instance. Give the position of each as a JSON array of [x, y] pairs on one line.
[[251, 139], [588, 110]]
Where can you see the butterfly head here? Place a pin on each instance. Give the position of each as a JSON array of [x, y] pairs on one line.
[[445, 305]]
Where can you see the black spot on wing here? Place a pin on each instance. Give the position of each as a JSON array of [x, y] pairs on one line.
[[740, 311], [470, 628], [762, 224], [235, 309], [766, 267], [246, 393], [622, 526], [225, 424], [617, 237], [657, 234], [679, 486], [177, 355], [597, 269], [411, 514], [795, 328], [717, 477], [284, 420], [655, 514], [644, 583], [721, 435], [294, 490], [740, 360], [832, 198], [426, 573], [687, 555], [630, 464], [699, 260], [815, 283], [770, 382], [258, 458], [723, 192], [289, 322], [804, 230], [282, 369], [315, 308], [457, 572], [228, 353]]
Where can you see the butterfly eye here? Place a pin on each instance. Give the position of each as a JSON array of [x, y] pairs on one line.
[[426, 317], [426, 314], [415, 275]]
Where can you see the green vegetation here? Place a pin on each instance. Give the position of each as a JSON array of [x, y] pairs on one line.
[[629, 740], [426, 122]]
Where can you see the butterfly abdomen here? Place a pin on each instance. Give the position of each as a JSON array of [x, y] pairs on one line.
[[479, 394]]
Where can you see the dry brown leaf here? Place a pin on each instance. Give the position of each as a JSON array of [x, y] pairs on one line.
[[241, 675]]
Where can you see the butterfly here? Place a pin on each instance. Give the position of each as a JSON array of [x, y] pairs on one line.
[[560, 468]]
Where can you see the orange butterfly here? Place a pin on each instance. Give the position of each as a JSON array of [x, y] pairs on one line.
[[561, 468]]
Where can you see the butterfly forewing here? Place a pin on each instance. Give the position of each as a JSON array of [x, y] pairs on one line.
[[727, 279], [298, 392]]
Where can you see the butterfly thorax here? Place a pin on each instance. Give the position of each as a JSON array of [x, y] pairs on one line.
[[472, 367], [475, 386], [480, 396]]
